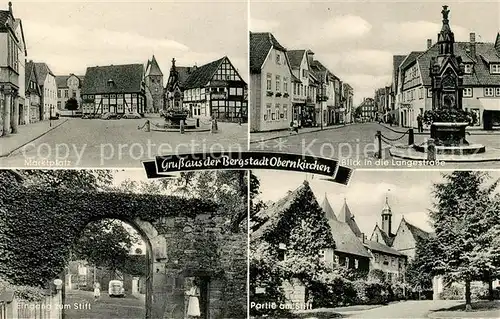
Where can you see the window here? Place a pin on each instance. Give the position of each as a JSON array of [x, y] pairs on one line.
[[269, 81], [495, 68], [66, 93], [278, 58], [336, 259], [58, 92], [467, 92], [267, 116], [497, 91], [356, 263], [488, 91], [232, 91], [239, 91], [281, 252], [468, 68], [276, 114], [74, 94], [322, 255], [429, 92], [421, 93], [304, 73], [285, 111], [285, 85], [347, 262], [59, 105], [278, 83]]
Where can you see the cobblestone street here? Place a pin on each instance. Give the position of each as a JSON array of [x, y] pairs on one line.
[[118, 143]]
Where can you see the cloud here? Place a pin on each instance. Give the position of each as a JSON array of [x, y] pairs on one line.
[[345, 27], [260, 25], [68, 48], [413, 35]]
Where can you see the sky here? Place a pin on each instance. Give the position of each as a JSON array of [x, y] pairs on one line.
[[71, 36], [356, 39], [409, 193]]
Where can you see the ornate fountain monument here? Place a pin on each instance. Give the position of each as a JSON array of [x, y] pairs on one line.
[[447, 119]]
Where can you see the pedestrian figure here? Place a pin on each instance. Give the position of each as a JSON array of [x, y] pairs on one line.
[[193, 310], [296, 126], [420, 123], [97, 291]]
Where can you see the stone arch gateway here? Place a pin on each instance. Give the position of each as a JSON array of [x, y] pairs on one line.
[[183, 236]]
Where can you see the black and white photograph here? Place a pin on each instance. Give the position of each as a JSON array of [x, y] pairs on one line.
[[110, 84], [377, 83], [391, 244], [105, 244]]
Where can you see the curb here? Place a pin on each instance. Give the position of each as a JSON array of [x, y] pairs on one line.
[[328, 128], [33, 139], [477, 132]]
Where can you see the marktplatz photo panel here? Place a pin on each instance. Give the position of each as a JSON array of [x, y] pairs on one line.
[[390, 244], [110, 84], [113, 244], [377, 84]]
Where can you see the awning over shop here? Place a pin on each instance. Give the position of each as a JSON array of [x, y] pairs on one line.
[[490, 104]]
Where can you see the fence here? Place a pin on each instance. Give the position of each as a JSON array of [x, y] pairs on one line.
[[13, 308]]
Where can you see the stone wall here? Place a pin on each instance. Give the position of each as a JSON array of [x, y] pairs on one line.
[[199, 247]]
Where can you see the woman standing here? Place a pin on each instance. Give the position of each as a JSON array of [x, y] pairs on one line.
[[97, 291], [193, 310]]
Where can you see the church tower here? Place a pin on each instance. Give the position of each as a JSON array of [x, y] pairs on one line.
[[154, 84], [387, 217]]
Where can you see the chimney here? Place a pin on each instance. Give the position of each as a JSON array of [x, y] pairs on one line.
[[473, 44], [429, 43], [310, 56], [363, 237]]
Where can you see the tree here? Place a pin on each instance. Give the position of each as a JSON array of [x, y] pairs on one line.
[[358, 112], [465, 212], [256, 204], [71, 104], [420, 272]]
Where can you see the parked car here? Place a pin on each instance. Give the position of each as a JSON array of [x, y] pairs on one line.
[[131, 116], [115, 288]]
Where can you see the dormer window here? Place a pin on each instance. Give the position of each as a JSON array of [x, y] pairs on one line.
[[278, 58], [468, 68], [281, 251], [495, 68], [111, 83]]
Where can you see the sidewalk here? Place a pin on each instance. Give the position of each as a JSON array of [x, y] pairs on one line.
[[26, 134], [272, 135]]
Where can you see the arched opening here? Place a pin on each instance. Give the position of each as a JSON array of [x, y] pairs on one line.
[[117, 254]]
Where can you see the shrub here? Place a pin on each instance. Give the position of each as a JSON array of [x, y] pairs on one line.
[[480, 293], [452, 293], [449, 115], [332, 290], [371, 292]]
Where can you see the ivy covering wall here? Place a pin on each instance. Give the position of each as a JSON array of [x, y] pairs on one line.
[[39, 226]]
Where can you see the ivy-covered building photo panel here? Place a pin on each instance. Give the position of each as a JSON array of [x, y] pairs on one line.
[[323, 249], [114, 244]]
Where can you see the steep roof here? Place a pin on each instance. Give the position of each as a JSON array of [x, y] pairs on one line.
[[126, 78], [42, 70], [345, 240], [388, 239], [376, 246], [415, 231], [154, 68], [396, 62], [327, 208], [295, 57], [410, 58], [480, 76], [272, 214], [200, 76], [30, 75], [260, 45], [347, 217]]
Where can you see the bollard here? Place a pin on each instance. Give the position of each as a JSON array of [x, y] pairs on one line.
[[182, 126], [148, 126], [379, 143], [197, 122], [212, 127], [216, 126], [411, 137], [431, 150]]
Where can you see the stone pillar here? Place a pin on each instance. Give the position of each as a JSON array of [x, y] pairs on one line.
[[14, 118], [437, 287], [6, 113]]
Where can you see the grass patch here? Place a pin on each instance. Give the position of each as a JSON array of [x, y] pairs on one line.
[[480, 309]]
